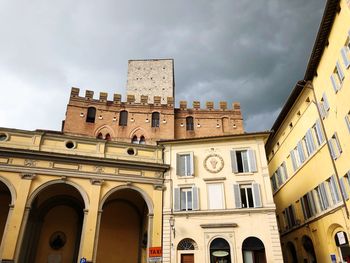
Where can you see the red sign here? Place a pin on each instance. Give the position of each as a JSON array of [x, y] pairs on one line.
[[155, 252]]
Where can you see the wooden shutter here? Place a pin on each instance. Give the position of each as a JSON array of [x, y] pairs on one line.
[[195, 198], [325, 102], [343, 189], [301, 151], [319, 131], [237, 195], [338, 143], [284, 167], [191, 164], [310, 140], [303, 208], [347, 121], [177, 199], [344, 53], [234, 161], [334, 189], [330, 143], [311, 203], [324, 195], [334, 83], [294, 162], [256, 195], [340, 71], [252, 161], [180, 165]]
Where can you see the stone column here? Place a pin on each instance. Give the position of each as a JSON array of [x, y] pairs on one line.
[[15, 223], [90, 225]]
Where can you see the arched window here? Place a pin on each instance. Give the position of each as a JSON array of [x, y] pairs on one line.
[[100, 136], [142, 140], [220, 251], [253, 250], [123, 118], [108, 137], [189, 123], [135, 140], [187, 244], [155, 119], [91, 114]]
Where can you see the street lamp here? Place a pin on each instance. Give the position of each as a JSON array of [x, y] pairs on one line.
[[172, 224]]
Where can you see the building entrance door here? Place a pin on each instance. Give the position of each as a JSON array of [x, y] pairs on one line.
[[187, 258]]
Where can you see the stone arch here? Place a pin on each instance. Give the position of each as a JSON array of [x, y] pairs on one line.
[[144, 195], [104, 130], [11, 189], [187, 244], [44, 185], [253, 248], [332, 229]]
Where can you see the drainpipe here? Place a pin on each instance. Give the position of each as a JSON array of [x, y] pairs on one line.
[[309, 85]]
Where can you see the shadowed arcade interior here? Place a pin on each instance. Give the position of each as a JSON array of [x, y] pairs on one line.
[[54, 226], [123, 230]]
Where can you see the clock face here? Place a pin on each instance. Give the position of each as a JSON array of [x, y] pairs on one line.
[[213, 163]]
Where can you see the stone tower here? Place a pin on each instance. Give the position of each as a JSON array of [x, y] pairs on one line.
[[152, 77]]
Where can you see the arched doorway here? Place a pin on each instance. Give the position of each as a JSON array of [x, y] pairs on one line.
[[186, 249], [253, 250], [53, 229], [5, 201], [220, 251], [123, 229], [342, 242], [309, 249], [291, 253]]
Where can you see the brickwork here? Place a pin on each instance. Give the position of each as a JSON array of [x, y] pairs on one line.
[[172, 121], [153, 77]]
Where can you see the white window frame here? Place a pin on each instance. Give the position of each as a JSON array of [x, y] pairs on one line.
[[256, 195], [188, 164], [181, 201], [248, 155], [333, 189]]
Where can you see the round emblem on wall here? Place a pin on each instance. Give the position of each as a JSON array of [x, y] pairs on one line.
[[213, 163]]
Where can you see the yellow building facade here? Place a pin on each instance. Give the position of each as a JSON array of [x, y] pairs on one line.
[[309, 150], [218, 204], [65, 198]]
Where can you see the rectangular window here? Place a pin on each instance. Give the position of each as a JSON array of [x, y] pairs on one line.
[[215, 196], [186, 199], [337, 77], [335, 146], [343, 187], [184, 164], [247, 195], [297, 155], [308, 205], [289, 217], [243, 161], [324, 106]]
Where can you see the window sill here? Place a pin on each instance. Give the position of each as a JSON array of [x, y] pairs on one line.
[[243, 174], [185, 176]]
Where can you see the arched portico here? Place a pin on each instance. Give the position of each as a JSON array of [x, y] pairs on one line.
[[125, 225], [54, 224]]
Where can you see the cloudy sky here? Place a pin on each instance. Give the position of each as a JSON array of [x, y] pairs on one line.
[[234, 50]]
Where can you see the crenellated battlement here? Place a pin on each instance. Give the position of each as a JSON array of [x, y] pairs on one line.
[[117, 99], [209, 105], [144, 101]]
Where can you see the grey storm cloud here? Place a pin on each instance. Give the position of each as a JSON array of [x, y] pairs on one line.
[[232, 50]]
